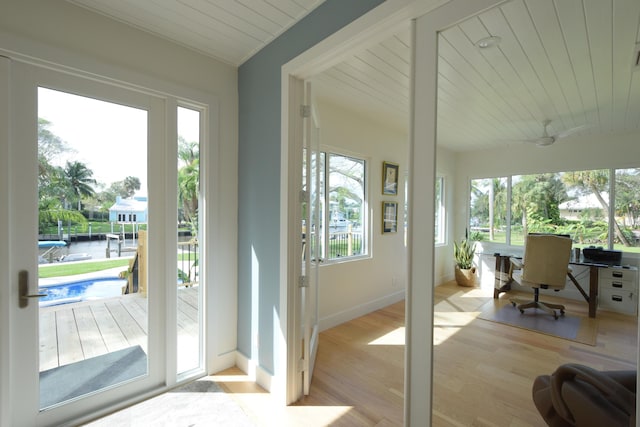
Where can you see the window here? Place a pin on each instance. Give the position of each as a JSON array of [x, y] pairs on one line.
[[189, 297], [440, 212], [536, 203], [345, 207], [627, 207], [577, 203], [488, 212], [585, 212]]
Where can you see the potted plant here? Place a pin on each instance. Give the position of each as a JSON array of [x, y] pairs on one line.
[[465, 271]]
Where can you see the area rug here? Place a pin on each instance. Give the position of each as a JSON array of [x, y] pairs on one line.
[[76, 379], [570, 327], [201, 403]]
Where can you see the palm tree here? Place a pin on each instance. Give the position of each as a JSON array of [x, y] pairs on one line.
[[51, 212], [188, 179], [52, 182], [79, 179], [497, 205]]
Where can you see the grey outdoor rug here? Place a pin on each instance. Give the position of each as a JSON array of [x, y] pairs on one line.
[[199, 403], [76, 379]]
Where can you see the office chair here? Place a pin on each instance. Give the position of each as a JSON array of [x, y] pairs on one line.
[[577, 395], [545, 265]]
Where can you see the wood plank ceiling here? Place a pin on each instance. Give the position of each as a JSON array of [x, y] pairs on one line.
[[228, 30], [571, 62]]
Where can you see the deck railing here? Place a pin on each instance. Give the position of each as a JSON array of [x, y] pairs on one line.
[[345, 243], [188, 264]]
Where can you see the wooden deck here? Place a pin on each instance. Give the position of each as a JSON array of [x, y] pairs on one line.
[[73, 332]]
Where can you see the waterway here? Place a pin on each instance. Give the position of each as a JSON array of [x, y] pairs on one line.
[[95, 249]]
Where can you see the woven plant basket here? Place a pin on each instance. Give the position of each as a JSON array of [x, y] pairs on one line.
[[466, 277]]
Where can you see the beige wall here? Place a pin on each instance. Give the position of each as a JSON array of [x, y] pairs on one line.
[[443, 264], [350, 289]]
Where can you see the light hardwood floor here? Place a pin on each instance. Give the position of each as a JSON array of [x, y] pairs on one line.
[[483, 370]]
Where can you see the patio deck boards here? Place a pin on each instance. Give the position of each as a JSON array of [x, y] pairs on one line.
[[78, 331]]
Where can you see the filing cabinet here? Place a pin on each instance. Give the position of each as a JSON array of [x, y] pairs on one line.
[[618, 289]]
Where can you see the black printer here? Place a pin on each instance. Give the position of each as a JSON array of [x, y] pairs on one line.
[[598, 254]]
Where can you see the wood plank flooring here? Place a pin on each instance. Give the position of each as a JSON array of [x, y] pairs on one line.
[[483, 371], [78, 331]]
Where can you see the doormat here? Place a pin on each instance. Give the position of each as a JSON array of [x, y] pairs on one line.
[[76, 379], [575, 328]]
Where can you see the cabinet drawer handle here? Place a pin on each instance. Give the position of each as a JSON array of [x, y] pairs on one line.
[[616, 284], [616, 298], [617, 274]]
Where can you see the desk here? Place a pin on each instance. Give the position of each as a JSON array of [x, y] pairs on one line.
[[501, 273], [503, 284], [592, 297]]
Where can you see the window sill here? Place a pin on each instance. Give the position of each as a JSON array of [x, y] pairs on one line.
[[343, 260]]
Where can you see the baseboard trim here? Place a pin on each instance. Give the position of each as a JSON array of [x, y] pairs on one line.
[[257, 374], [443, 279], [222, 362], [266, 380], [360, 310]]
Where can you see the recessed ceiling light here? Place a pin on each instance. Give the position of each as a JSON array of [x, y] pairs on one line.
[[488, 42]]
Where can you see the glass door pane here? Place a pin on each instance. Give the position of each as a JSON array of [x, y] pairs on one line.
[[92, 228], [311, 210], [189, 295]]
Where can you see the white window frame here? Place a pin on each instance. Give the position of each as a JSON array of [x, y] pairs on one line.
[[366, 227], [610, 213], [440, 214]]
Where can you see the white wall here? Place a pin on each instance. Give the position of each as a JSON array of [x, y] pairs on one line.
[[352, 288], [443, 264]]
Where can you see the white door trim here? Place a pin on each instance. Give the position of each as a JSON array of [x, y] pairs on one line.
[[5, 279], [164, 197]]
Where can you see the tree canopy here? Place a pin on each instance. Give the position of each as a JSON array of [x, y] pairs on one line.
[[63, 190], [188, 180], [536, 200]]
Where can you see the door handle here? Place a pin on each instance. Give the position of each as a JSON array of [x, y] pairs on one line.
[[23, 289]]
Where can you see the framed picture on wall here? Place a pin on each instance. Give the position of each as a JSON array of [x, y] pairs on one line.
[[389, 217], [389, 178]]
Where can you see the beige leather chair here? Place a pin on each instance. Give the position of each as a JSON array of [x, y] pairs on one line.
[[545, 265], [577, 395]]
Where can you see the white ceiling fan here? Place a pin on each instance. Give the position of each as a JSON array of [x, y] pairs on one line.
[[547, 139]]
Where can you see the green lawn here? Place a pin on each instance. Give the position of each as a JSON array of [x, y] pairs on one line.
[[71, 269]]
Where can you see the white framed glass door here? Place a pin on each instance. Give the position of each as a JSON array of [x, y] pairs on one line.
[[96, 338], [313, 228]]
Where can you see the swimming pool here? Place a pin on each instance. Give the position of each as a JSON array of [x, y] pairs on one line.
[[81, 290]]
